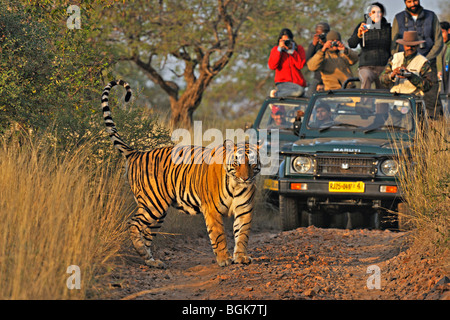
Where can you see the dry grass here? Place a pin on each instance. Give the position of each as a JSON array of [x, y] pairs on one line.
[[55, 213], [425, 179], [63, 210]]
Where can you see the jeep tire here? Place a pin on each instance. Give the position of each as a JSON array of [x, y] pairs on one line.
[[289, 213]]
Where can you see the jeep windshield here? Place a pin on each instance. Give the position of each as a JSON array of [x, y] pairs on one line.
[[281, 115], [362, 113]]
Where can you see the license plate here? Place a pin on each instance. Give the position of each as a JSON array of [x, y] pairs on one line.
[[335, 186], [271, 184]]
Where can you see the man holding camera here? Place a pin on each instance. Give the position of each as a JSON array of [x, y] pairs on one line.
[[333, 61], [319, 39], [426, 23], [408, 71]]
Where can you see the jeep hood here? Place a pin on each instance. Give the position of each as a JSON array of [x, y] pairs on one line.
[[344, 145]]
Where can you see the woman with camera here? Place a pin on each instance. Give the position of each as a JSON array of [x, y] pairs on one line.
[[287, 59], [374, 37]]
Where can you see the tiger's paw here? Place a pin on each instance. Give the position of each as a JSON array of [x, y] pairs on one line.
[[242, 258], [224, 261], [155, 263]]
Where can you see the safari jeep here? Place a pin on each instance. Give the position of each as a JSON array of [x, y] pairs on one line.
[[278, 115], [342, 171]]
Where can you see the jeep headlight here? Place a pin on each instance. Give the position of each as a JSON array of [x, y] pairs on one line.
[[302, 164], [389, 167]]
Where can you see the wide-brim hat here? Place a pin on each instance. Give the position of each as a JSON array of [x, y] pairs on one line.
[[410, 38]]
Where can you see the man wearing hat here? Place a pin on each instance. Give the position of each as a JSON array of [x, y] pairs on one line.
[[333, 61], [408, 71], [426, 23]]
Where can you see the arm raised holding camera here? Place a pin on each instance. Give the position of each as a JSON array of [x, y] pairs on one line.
[[284, 44]]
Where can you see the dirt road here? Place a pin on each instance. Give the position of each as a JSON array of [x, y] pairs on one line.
[[306, 263]]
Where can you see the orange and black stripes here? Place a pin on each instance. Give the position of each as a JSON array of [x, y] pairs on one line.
[[215, 182]]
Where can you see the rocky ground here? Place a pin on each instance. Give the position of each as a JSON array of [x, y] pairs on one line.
[[306, 263]]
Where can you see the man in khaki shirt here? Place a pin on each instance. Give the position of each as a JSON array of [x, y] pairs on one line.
[[333, 62]]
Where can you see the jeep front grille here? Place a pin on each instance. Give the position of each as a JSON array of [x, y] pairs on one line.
[[345, 167]]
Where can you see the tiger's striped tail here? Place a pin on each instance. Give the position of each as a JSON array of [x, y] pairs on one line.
[[117, 141]]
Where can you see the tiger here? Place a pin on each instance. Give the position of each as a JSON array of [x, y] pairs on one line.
[[216, 182]]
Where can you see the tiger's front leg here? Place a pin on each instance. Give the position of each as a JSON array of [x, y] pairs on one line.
[[216, 232], [241, 228]]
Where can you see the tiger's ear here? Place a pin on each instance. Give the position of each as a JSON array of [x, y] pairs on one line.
[[228, 145]]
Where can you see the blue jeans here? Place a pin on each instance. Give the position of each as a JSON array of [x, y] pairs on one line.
[[288, 89]]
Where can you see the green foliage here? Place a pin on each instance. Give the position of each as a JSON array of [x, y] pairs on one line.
[[25, 65], [51, 76]]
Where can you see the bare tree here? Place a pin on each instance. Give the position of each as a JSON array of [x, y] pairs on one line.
[[200, 34]]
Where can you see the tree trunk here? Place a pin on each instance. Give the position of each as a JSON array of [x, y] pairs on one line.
[[181, 116], [184, 107]]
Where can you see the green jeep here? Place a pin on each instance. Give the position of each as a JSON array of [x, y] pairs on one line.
[[342, 171]]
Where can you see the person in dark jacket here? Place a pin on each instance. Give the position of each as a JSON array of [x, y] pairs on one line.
[[319, 39], [374, 37]]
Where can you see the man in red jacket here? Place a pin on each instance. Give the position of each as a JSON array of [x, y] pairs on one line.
[[287, 59]]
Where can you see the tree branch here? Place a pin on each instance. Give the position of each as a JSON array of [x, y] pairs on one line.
[[170, 87]]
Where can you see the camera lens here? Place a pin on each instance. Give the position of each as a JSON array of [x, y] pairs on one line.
[[287, 42]]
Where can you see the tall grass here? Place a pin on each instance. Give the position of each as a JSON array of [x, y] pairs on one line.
[[425, 180], [55, 213]]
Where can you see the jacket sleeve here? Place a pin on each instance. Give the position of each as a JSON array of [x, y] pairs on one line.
[[354, 40], [316, 61], [274, 58], [395, 36], [438, 40], [351, 55], [423, 81]]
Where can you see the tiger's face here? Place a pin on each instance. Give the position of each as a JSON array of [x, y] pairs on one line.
[[242, 161]]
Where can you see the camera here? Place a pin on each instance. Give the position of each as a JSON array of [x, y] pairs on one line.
[[404, 73], [287, 42], [323, 37], [335, 43]]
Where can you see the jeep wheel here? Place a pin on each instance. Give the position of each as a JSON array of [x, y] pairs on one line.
[[317, 219], [355, 220], [338, 220], [289, 213], [375, 219]]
